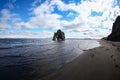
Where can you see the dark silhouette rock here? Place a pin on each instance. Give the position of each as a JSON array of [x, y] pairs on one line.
[[115, 34], [59, 35]]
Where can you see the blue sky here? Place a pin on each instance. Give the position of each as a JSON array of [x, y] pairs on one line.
[[41, 18]]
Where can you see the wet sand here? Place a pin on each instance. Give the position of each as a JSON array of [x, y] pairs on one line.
[[101, 63]]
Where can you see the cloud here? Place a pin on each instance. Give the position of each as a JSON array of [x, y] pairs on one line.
[[7, 19], [11, 4], [34, 4], [41, 21], [46, 34], [70, 14], [85, 21], [43, 18], [85, 24]]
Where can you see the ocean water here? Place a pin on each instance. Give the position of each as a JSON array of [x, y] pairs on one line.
[[32, 59]]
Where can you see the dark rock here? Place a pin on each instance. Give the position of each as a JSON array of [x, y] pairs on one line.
[[104, 38], [115, 34], [116, 66], [59, 35], [111, 56]]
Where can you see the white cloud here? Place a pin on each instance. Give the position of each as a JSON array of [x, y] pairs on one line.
[[43, 18], [11, 4], [45, 21], [34, 4], [27, 34], [85, 23], [7, 19], [70, 14]]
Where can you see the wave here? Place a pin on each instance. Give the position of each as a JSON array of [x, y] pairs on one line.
[[10, 47], [11, 56]]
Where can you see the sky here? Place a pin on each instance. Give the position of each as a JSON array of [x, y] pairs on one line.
[[41, 18]]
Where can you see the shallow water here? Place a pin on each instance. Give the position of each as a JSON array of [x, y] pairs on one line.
[[31, 59]]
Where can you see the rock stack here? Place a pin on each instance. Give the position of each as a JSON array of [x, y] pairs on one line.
[[59, 35], [115, 34]]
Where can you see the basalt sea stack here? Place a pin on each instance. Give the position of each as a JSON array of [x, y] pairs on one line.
[[59, 35]]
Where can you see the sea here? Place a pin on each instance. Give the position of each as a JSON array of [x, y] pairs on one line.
[[33, 59]]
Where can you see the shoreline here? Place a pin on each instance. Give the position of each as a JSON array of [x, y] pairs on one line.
[[35, 59], [101, 63]]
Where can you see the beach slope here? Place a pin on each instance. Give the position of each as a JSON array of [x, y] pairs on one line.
[[101, 63]]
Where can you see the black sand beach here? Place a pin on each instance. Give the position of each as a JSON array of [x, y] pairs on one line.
[[101, 63]]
